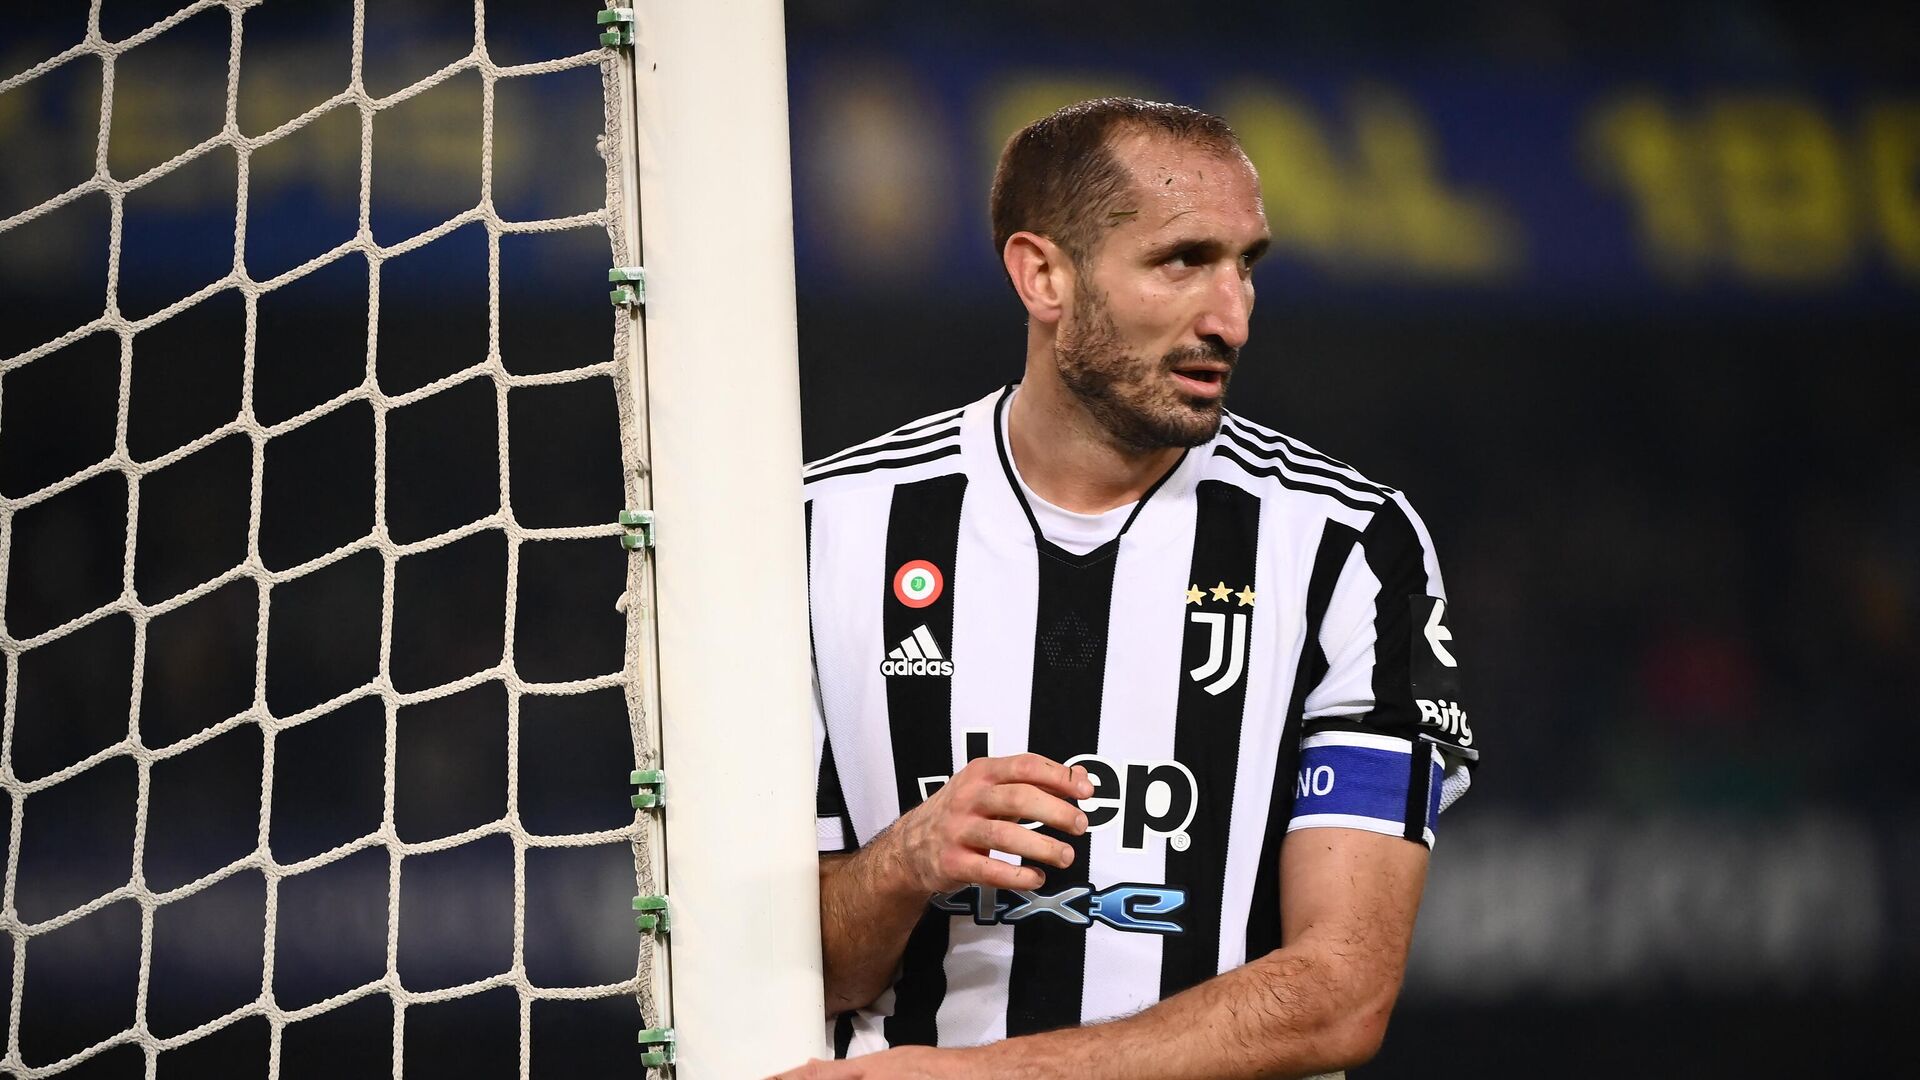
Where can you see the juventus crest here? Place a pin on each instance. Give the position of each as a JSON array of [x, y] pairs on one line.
[[1226, 628]]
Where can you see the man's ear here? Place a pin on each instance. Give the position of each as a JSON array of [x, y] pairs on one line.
[[1041, 274]]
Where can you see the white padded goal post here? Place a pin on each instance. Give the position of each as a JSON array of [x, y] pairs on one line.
[[723, 419]]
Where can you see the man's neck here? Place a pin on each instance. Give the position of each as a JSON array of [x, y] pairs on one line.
[[1069, 459]]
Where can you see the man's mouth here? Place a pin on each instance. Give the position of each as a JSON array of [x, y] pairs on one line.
[[1205, 380]]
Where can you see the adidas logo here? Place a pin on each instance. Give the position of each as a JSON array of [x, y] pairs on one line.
[[917, 655]]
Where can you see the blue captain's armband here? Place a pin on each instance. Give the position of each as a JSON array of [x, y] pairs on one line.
[[1360, 780]]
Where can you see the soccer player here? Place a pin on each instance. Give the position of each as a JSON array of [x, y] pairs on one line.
[[1135, 716]]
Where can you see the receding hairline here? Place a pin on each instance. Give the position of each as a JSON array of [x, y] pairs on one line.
[[1067, 175], [1223, 142], [1147, 136], [1125, 204]]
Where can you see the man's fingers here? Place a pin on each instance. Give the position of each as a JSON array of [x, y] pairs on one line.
[[981, 818], [1024, 802], [982, 869], [1042, 772], [996, 835]]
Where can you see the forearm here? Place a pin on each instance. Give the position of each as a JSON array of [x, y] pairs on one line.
[[1297, 1011], [868, 908], [1318, 1004]]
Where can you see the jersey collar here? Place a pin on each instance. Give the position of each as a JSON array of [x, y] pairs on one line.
[[1098, 554]]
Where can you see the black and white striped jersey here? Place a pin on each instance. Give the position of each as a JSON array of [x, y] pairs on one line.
[[1258, 645]]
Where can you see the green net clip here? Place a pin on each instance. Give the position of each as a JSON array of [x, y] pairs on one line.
[[639, 526], [653, 788], [620, 21], [629, 286], [653, 914], [659, 1047]]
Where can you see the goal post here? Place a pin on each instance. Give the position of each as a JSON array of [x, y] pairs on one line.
[[720, 430]]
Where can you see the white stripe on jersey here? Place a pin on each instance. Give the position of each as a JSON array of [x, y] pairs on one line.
[[869, 1033], [993, 689], [1300, 454], [1290, 541], [854, 694], [1435, 587], [927, 433], [1301, 473], [1346, 637]]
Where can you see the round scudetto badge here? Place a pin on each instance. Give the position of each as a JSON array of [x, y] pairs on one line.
[[918, 583]]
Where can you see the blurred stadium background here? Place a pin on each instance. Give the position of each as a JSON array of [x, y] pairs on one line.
[[1625, 295]]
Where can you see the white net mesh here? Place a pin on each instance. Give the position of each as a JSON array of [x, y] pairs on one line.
[[26, 794]]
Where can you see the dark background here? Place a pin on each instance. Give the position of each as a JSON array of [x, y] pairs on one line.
[[1623, 295]]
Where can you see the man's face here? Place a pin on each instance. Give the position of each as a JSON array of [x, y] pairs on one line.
[[1161, 304]]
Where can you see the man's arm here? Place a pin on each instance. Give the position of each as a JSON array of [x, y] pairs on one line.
[[871, 899], [865, 918], [1317, 1004]]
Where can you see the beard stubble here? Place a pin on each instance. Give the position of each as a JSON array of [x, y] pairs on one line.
[[1129, 395]]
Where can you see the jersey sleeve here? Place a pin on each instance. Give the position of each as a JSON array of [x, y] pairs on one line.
[[1386, 744], [832, 826]]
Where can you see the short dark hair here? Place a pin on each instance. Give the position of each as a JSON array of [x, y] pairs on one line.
[[1058, 175]]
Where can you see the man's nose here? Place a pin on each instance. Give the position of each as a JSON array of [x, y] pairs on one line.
[[1229, 305]]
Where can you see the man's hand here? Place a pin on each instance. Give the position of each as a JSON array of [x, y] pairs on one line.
[[905, 1063], [943, 843], [871, 900]]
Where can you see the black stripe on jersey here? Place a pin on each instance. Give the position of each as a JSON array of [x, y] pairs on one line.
[[1279, 453], [922, 523], [884, 447], [829, 801], [887, 463], [1398, 561], [1206, 737], [1263, 916], [882, 441], [1048, 968], [1262, 433], [1222, 450], [931, 421]]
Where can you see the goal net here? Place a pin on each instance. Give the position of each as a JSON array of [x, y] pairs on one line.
[[419, 780]]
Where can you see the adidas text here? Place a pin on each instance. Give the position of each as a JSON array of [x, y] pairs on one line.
[[916, 667]]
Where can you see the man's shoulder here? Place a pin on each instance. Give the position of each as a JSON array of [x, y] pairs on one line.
[[1273, 462], [926, 446]]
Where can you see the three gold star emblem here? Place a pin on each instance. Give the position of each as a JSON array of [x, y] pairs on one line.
[[1220, 592]]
